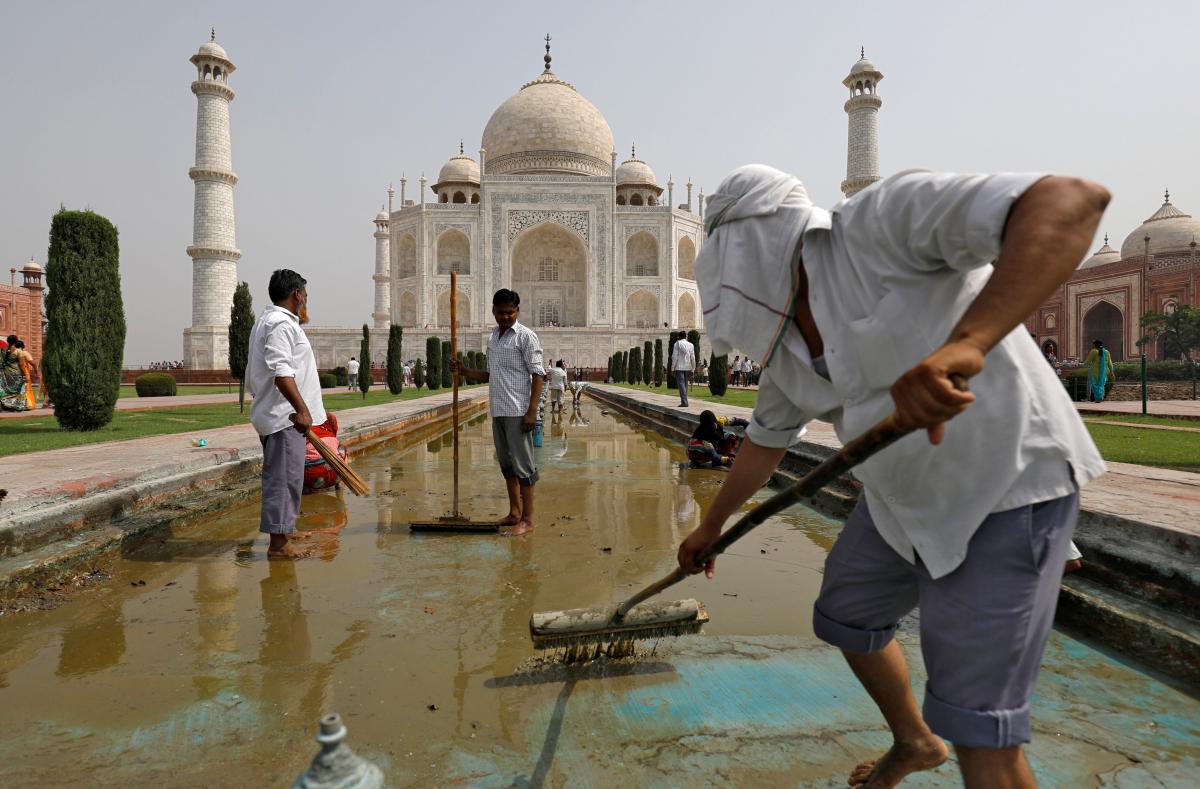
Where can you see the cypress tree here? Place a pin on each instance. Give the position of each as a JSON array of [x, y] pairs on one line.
[[718, 375], [85, 339], [241, 321], [433, 363], [395, 360], [447, 369], [635, 365], [647, 362], [610, 369], [419, 373], [671, 340], [693, 337], [659, 372], [364, 353]]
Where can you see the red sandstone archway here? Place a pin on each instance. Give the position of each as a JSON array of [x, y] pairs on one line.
[[1106, 323]]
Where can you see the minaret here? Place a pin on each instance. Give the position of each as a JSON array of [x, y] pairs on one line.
[[862, 147], [214, 249], [383, 290]]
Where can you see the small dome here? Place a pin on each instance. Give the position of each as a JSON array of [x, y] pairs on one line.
[[32, 267], [213, 49], [461, 169], [863, 65], [1170, 230], [547, 126], [1103, 255], [382, 216], [633, 171]]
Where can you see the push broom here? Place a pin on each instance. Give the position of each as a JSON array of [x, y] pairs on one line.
[[588, 633], [455, 521], [348, 475]]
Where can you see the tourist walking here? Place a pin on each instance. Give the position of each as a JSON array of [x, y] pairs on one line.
[[920, 277], [516, 375], [683, 362], [352, 374], [558, 385], [281, 376], [1100, 366]]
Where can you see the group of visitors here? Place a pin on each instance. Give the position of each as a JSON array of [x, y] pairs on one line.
[[17, 375], [879, 308], [176, 365], [744, 371]]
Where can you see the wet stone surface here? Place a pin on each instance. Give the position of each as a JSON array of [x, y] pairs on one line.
[[200, 663]]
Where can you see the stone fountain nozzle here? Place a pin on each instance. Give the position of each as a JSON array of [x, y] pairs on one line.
[[336, 766]]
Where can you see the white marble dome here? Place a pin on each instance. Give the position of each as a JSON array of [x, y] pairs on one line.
[[1103, 255], [635, 172], [382, 216], [1170, 230], [461, 169], [213, 49], [548, 127], [863, 65]]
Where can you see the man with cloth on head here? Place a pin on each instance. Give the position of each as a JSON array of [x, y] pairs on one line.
[[281, 375], [870, 308]]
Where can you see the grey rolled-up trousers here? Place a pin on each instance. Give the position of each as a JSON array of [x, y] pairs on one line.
[[282, 480]]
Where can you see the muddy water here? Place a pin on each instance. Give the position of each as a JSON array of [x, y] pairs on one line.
[[203, 664]]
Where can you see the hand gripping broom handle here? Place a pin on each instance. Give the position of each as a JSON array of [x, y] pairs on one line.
[[883, 434]]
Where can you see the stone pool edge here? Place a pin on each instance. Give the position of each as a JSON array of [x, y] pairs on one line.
[[54, 530]]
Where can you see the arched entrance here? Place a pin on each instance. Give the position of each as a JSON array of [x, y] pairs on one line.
[[686, 318], [687, 258], [453, 253], [408, 309], [641, 310], [549, 271], [1104, 322], [462, 310]]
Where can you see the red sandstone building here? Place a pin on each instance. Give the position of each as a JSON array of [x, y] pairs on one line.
[[21, 307], [1156, 269]]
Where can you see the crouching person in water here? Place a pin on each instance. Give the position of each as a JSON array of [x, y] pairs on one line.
[[873, 312], [515, 374], [710, 444]]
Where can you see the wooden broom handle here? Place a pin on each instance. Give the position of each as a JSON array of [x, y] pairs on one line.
[[454, 361], [886, 432]]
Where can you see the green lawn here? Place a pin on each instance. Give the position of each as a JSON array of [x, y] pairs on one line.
[[34, 434], [128, 390], [1162, 448], [742, 397], [1142, 420]]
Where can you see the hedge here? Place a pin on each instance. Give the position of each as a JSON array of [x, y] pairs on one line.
[[155, 385], [328, 380]]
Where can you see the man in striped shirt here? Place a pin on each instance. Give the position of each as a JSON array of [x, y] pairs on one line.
[[516, 375]]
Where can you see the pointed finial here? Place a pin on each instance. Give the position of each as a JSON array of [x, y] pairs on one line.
[[460, 146], [1166, 196], [633, 151], [212, 35], [862, 52], [1106, 239], [547, 57]]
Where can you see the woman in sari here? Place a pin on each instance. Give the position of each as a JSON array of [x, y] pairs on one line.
[[1100, 366], [16, 376]]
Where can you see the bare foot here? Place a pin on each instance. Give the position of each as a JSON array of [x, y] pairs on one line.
[[282, 548], [900, 760], [510, 520], [1071, 566], [522, 527]]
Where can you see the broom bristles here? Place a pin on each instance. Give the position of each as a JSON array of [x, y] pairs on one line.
[[348, 475]]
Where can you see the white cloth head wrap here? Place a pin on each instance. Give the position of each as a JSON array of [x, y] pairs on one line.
[[746, 270]]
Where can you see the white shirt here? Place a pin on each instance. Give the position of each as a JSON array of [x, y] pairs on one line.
[[352, 367], [279, 349], [512, 359], [558, 378], [683, 356], [891, 271]]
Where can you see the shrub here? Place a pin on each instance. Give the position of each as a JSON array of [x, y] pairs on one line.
[[659, 372], [241, 322], [328, 380], [447, 370], [693, 337], [433, 363], [155, 385], [364, 372], [419, 374], [671, 340], [85, 337], [340, 376], [718, 375], [395, 362], [647, 362]]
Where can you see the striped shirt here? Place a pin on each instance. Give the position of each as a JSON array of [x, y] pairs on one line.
[[512, 358]]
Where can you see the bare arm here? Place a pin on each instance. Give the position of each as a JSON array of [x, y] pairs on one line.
[[535, 395], [751, 470], [477, 376], [1047, 233]]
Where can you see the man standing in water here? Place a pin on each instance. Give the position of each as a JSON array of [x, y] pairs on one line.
[[516, 375], [918, 278], [281, 374]]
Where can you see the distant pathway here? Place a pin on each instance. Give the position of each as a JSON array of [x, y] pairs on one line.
[[151, 403], [1184, 409]]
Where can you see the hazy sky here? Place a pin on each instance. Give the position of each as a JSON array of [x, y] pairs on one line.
[[334, 100]]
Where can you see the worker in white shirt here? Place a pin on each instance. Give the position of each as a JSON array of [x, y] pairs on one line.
[[683, 362], [352, 374], [281, 374], [921, 276]]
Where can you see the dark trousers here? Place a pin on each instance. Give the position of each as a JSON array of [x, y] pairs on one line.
[[681, 380]]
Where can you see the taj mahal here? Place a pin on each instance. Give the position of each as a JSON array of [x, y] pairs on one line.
[[601, 254]]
